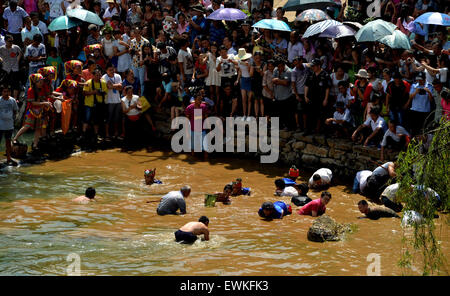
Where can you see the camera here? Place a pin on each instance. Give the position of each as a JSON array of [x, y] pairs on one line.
[[101, 92], [445, 93], [422, 91]]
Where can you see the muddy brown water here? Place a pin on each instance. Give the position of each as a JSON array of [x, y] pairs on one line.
[[121, 234]]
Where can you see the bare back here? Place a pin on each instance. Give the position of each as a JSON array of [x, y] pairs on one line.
[[196, 228]]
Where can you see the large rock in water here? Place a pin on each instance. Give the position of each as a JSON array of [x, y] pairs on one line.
[[325, 228]]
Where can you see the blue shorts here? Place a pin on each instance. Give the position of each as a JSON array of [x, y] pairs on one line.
[[246, 83]]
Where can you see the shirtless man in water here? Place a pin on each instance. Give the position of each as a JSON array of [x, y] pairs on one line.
[[188, 233], [88, 196]]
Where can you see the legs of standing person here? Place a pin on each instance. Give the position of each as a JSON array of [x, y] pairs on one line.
[[244, 102], [7, 134]]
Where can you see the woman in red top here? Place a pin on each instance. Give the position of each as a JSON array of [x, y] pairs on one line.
[[316, 207], [38, 105]]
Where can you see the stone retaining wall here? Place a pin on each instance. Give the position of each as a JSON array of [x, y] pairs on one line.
[[311, 151]]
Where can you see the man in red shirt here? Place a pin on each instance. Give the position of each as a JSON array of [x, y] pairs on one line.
[[316, 207]]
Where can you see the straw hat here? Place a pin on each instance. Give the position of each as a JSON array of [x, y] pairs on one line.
[[243, 55], [362, 73]]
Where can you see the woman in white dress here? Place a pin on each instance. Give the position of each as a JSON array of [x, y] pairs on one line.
[[213, 79], [121, 51]]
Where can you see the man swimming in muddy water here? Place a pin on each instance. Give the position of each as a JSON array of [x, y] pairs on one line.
[[149, 176], [88, 196], [188, 233], [225, 195]]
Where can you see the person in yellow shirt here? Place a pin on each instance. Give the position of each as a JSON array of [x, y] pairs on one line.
[[95, 92]]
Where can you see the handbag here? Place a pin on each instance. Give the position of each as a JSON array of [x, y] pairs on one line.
[[145, 105]]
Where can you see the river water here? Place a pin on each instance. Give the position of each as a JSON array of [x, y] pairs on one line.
[[121, 234]]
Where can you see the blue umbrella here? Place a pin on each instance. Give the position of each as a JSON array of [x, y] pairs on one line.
[[63, 23], [227, 14], [433, 18], [272, 24], [396, 40], [85, 16], [374, 31], [320, 27]]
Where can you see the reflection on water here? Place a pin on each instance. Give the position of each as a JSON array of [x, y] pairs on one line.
[[120, 234]]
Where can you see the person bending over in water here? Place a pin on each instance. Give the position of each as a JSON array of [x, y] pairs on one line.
[[316, 207], [89, 195], [174, 200], [149, 176], [225, 195], [302, 199], [188, 233], [284, 190], [321, 179], [238, 189], [276, 210], [377, 212]]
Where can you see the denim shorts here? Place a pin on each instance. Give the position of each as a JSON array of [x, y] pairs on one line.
[[246, 83]]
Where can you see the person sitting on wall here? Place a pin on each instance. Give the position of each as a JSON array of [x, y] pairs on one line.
[[276, 210], [372, 130]]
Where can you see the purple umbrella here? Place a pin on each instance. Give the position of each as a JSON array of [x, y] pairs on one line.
[[338, 31], [227, 14]]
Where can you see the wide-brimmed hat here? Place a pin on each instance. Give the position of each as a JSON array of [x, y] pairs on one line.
[[243, 55], [362, 73], [109, 1]]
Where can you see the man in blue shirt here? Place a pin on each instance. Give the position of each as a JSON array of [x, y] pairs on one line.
[[197, 24], [420, 96], [276, 210]]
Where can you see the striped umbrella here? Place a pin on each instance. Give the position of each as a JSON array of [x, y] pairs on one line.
[[312, 15], [338, 31], [319, 27]]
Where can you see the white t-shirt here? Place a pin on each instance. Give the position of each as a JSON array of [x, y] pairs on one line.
[[113, 96], [382, 170], [185, 57], [244, 69], [289, 191], [55, 8], [227, 69], [399, 130], [362, 176], [346, 99], [294, 51], [325, 175], [110, 13], [380, 123], [344, 116], [391, 191], [128, 103], [108, 47]]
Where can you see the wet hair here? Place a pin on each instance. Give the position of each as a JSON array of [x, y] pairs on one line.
[[204, 220], [362, 202], [185, 188], [374, 111], [325, 193], [316, 177], [228, 187], [279, 183], [303, 188], [90, 192], [267, 205]]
